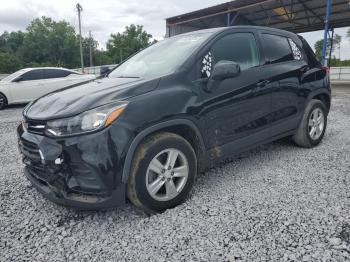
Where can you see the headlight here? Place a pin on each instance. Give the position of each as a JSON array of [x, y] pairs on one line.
[[88, 121]]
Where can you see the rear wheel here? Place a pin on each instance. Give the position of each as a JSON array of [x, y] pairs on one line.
[[313, 125], [3, 101], [162, 173]]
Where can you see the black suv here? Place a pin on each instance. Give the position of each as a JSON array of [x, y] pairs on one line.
[[172, 110]]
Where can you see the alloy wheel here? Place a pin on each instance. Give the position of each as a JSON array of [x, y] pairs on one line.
[[167, 174], [316, 123]]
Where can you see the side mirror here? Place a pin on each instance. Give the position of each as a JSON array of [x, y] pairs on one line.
[[18, 79], [225, 69], [222, 70], [104, 70]]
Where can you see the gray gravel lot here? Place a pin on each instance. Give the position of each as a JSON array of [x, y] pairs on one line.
[[275, 203]]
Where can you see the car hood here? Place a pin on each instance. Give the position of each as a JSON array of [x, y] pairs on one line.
[[74, 100]]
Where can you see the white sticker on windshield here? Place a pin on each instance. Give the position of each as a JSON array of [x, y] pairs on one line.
[[207, 64]]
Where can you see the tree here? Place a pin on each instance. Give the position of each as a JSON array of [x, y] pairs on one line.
[[50, 42], [122, 45], [102, 57], [46, 42], [318, 49], [9, 63], [348, 34], [319, 45], [11, 42]]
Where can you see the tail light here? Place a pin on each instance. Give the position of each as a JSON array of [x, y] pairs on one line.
[[326, 69]]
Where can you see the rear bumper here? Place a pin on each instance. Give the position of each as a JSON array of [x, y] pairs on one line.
[[82, 172]]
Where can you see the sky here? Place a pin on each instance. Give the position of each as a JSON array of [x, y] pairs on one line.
[[104, 17]]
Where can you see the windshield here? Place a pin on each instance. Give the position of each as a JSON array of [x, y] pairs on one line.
[[161, 58], [13, 75]]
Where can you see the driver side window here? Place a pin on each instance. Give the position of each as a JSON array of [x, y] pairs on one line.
[[32, 75], [237, 47]]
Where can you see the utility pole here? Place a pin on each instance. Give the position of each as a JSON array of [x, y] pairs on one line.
[[326, 26], [80, 9], [90, 40]]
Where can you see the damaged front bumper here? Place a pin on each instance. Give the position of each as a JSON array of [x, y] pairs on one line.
[[82, 172]]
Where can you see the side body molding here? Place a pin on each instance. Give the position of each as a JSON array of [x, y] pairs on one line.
[[152, 129]]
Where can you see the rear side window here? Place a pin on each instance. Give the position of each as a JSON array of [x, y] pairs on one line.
[[32, 75], [55, 73], [276, 48], [238, 47]]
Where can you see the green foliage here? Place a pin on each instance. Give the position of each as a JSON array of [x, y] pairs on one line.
[[50, 43], [11, 42], [122, 45], [319, 44], [336, 62], [9, 62], [318, 49], [102, 58]]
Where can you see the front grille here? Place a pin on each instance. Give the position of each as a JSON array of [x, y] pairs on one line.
[[30, 150], [35, 126]]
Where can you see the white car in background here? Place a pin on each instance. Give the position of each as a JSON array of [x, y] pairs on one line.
[[28, 84]]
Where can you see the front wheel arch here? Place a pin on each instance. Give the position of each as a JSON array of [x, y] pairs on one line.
[[160, 127], [6, 100]]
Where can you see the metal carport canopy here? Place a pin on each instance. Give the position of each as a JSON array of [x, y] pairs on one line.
[[297, 16]]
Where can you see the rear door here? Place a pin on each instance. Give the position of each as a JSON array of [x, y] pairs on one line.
[[285, 66], [236, 112], [55, 79]]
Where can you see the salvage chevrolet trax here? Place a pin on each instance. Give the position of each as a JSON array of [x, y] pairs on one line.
[[172, 110]]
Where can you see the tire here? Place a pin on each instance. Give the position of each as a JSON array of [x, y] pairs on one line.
[[3, 101], [313, 111], [142, 177]]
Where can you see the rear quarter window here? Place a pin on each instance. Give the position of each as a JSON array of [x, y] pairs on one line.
[[297, 54], [55, 73]]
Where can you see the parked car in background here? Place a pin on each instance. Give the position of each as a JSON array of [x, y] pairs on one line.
[[28, 84], [172, 110]]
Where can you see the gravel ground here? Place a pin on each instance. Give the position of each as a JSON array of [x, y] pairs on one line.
[[274, 203]]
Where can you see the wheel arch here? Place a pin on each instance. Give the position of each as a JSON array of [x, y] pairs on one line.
[[183, 127], [322, 95]]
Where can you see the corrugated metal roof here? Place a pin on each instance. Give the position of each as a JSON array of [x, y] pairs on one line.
[[293, 15]]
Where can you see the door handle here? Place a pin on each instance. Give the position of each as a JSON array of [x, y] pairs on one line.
[[262, 83]]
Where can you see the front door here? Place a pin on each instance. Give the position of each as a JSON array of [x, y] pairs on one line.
[[27, 87], [235, 113]]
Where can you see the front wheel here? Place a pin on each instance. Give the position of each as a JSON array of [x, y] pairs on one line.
[[313, 125], [162, 173]]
